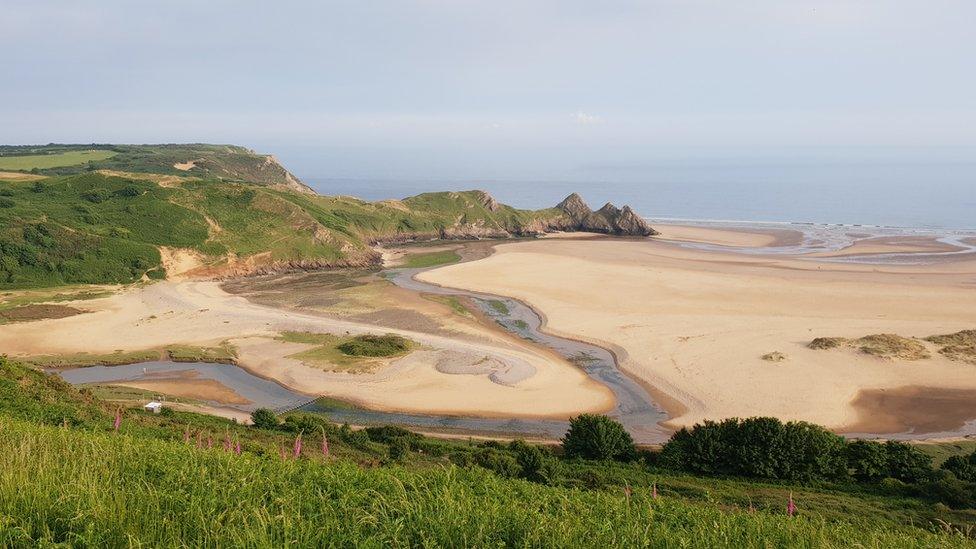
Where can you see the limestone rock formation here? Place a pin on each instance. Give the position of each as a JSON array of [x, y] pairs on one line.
[[609, 219]]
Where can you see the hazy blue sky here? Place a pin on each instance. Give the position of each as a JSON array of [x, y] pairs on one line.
[[495, 89]]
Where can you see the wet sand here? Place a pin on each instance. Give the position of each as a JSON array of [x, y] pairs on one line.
[[916, 410], [729, 237]]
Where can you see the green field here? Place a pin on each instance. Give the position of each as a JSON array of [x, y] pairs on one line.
[[58, 160]]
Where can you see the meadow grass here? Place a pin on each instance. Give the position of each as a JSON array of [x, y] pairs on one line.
[[431, 259], [45, 161], [106, 489]]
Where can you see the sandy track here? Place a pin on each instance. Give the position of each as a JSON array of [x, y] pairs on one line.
[[694, 324], [202, 313]]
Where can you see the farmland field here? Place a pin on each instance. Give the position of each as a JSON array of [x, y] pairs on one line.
[[43, 161]]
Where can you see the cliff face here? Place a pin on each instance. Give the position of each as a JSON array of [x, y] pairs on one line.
[[609, 219]]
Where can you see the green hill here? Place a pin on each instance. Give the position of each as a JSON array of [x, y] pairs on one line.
[[118, 219], [227, 162], [68, 477]]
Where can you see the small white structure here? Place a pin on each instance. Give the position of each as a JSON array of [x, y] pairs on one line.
[[153, 407]]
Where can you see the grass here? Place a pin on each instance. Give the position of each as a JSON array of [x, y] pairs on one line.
[[84, 360], [498, 306], [430, 259], [959, 346], [880, 345], [774, 356], [223, 354], [57, 160], [102, 489], [67, 478], [375, 345], [451, 301]]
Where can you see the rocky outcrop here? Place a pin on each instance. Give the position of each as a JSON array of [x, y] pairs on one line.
[[609, 219]]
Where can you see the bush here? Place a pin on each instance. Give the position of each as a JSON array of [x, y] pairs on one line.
[[760, 447], [6, 202], [498, 462], [386, 434], [96, 195], [867, 460], [598, 437], [373, 345], [128, 191], [963, 467], [906, 463], [399, 449], [263, 418]]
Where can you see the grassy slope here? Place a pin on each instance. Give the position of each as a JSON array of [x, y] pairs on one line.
[[227, 162], [99, 228], [86, 485]]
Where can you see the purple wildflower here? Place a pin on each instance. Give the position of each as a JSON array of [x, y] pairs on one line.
[[118, 419], [790, 506], [297, 448]]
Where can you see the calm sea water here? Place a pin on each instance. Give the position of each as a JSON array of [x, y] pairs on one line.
[[937, 196]]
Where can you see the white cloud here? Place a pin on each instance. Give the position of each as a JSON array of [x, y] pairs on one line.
[[584, 118]]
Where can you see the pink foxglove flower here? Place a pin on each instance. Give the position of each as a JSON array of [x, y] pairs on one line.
[[654, 491], [118, 419], [237, 448], [297, 448], [790, 506]]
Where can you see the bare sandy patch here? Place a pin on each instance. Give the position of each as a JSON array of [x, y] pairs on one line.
[[159, 179], [185, 166], [695, 324], [198, 389], [736, 238], [19, 176], [180, 263]]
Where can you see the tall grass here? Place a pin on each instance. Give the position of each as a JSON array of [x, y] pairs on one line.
[[103, 489]]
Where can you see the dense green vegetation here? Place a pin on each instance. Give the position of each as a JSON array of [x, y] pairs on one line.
[[66, 476], [101, 227], [375, 345]]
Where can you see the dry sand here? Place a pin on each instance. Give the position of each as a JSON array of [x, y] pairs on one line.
[[202, 313], [694, 324]]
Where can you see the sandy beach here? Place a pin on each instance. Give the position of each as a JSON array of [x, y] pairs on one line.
[[693, 325], [201, 313]]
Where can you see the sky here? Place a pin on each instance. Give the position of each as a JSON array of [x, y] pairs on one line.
[[498, 89]]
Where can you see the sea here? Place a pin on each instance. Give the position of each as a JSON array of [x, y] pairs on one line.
[[930, 196]]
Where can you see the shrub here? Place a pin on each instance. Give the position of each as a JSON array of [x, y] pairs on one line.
[[593, 436], [759, 447], [867, 460], [963, 467], [399, 449], [373, 345], [39, 187], [95, 195], [263, 418], [386, 434], [906, 463], [128, 191], [6, 202], [498, 462]]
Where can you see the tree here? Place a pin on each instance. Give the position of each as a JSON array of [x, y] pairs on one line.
[[598, 437], [867, 460], [906, 463], [964, 467], [263, 418]]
